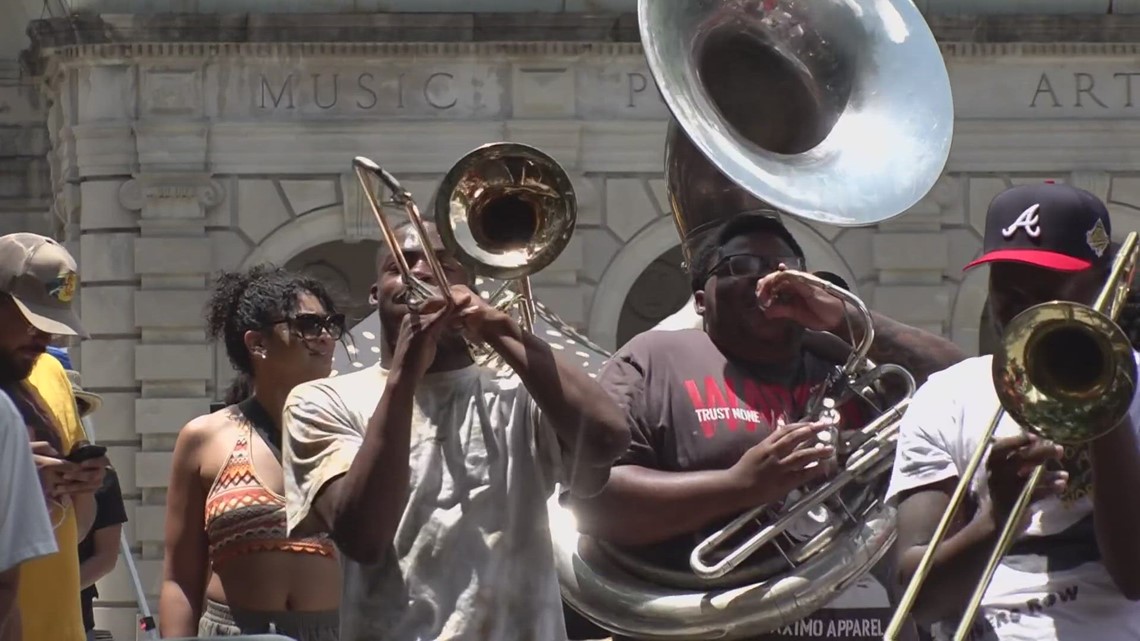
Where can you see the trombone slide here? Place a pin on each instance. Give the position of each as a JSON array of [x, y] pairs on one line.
[[926, 563], [1005, 539]]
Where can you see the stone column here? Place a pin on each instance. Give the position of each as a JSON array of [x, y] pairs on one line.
[[173, 364], [129, 164], [92, 155]]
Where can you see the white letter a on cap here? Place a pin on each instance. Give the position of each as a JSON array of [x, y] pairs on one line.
[[1027, 221]]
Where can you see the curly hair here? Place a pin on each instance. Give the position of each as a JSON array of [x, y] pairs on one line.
[[241, 387], [254, 300]]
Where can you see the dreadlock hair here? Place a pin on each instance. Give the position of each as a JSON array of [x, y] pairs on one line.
[[254, 300], [741, 224]]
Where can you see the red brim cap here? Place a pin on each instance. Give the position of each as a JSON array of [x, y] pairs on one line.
[[1036, 257]]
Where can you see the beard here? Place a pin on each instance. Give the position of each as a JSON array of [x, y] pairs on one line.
[[14, 369]]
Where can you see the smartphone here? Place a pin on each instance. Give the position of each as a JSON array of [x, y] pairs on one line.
[[86, 452]]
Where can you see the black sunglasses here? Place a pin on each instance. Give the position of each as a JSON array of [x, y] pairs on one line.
[[312, 326], [752, 265]]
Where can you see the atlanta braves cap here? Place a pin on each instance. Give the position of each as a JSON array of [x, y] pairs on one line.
[[1049, 225], [42, 277]]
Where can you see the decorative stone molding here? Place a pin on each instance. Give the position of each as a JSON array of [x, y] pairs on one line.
[[124, 52], [202, 189], [967, 33]]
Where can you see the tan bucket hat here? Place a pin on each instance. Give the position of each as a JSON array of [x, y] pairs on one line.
[[88, 402], [42, 277]]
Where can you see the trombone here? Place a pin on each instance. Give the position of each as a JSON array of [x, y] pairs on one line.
[[506, 210], [1064, 371]]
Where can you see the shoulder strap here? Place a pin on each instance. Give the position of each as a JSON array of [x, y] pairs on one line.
[[260, 420]]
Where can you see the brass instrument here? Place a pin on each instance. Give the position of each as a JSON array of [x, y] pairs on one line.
[[835, 111], [868, 453], [1064, 371], [506, 210]]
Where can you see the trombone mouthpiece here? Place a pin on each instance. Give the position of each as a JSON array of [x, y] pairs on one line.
[[361, 161]]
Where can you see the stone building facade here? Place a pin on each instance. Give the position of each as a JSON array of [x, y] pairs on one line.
[[167, 147]]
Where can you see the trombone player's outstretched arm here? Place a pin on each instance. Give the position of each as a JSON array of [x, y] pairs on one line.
[[1043, 242]]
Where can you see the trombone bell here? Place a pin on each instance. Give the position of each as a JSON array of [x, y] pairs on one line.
[[507, 210], [1065, 371]]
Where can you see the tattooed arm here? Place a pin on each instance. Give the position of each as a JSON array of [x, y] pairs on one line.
[[921, 352]]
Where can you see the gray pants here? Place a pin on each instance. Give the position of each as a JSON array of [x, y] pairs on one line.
[[219, 621]]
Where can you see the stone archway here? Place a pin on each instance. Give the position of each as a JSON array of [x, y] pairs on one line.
[[643, 249], [966, 316], [298, 235], [661, 289]]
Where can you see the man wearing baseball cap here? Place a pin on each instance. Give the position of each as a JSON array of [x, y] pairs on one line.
[[1042, 242], [38, 282]]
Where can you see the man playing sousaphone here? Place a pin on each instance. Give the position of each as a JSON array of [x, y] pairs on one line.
[[715, 414]]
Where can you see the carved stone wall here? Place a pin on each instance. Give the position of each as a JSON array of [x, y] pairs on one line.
[[25, 177], [171, 160]]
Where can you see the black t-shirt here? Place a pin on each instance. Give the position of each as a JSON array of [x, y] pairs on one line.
[[109, 511], [690, 408]]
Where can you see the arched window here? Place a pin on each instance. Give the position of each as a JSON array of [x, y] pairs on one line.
[[660, 290]]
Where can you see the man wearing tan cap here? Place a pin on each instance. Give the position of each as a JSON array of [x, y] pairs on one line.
[[38, 282]]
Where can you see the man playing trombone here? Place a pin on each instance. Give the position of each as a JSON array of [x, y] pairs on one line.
[[1075, 572], [717, 414], [432, 474]]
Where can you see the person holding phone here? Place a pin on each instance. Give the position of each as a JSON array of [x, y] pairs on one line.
[[38, 282], [99, 550]]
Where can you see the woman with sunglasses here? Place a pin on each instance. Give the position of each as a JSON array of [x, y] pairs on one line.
[[225, 510]]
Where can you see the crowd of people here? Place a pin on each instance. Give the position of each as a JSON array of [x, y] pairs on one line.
[[407, 501]]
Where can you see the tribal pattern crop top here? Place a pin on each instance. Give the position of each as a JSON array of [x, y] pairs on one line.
[[244, 516]]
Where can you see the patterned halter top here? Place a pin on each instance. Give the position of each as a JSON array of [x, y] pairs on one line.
[[243, 515]]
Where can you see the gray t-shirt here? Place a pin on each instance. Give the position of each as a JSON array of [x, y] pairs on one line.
[[26, 529], [472, 556], [691, 408]]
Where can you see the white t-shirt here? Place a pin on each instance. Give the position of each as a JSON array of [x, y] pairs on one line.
[[1053, 589], [472, 557], [25, 527]]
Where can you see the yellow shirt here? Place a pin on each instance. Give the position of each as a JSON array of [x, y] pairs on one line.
[[49, 585]]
